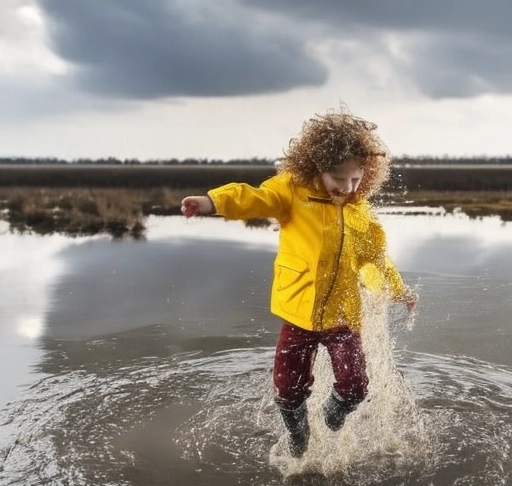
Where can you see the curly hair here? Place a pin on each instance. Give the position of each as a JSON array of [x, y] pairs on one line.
[[327, 140]]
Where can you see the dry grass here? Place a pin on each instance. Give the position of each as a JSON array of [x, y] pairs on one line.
[[85, 211], [122, 212], [475, 204]]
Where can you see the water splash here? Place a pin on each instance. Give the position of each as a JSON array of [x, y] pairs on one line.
[[386, 434], [212, 421]]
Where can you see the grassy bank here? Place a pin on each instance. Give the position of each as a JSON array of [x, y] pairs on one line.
[[122, 212], [476, 204], [85, 211], [87, 200]]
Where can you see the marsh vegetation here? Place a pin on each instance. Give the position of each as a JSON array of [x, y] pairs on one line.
[[78, 211], [87, 200]]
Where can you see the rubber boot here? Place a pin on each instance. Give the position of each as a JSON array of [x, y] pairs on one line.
[[336, 410], [296, 421]]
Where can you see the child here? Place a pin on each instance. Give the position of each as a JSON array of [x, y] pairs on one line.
[[331, 245]]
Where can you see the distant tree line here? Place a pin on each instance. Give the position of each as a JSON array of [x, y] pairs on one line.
[[116, 161], [400, 161], [442, 160]]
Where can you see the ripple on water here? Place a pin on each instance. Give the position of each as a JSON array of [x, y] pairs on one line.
[[437, 420]]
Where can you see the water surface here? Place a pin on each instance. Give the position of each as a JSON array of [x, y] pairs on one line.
[[149, 362]]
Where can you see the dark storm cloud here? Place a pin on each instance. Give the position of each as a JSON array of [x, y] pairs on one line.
[[457, 48], [451, 66], [492, 16], [147, 49]]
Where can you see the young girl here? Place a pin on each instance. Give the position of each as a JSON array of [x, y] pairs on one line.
[[331, 246]]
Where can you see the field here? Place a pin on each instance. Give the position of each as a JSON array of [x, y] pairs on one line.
[[451, 177], [89, 199]]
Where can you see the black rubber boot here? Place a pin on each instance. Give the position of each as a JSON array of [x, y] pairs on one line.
[[336, 410], [296, 421]]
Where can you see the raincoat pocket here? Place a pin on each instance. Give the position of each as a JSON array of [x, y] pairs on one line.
[[293, 289], [288, 270]]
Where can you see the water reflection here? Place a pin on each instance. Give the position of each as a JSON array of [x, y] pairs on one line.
[[464, 276], [29, 267], [154, 356], [448, 244]]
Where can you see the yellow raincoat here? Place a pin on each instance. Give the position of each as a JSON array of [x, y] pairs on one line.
[[326, 251]]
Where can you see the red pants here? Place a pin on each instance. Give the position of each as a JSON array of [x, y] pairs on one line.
[[295, 355]]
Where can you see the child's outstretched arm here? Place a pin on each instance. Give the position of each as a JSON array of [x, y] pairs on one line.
[[242, 201], [194, 205]]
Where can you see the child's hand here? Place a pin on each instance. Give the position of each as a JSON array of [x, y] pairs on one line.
[[410, 300], [193, 205]]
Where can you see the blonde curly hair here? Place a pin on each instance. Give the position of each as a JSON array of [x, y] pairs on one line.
[[327, 140]]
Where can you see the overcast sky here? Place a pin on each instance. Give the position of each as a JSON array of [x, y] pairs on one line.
[[236, 78]]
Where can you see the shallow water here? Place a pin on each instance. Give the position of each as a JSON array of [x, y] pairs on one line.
[[137, 363]]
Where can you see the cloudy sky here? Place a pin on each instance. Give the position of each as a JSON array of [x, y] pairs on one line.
[[236, 78]]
